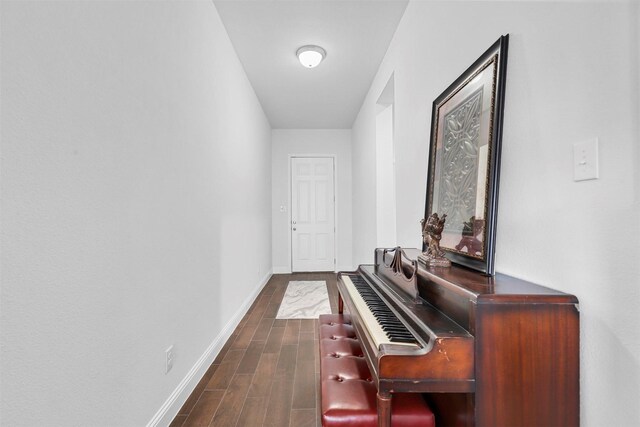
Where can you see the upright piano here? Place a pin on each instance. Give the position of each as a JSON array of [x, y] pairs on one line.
[[485, 351]]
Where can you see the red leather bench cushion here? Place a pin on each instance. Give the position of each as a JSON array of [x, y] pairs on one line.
[[348, 392], [336, 326], [340, 347]]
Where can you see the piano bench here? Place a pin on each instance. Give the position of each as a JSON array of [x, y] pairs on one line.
[[348, 393]]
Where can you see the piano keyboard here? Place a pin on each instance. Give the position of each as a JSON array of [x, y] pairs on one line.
[[382, 323]]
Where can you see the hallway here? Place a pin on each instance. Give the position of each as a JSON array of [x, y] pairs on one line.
[[146, 189], [267, 372]]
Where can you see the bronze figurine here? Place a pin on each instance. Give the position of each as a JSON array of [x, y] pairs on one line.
[[431, 234]]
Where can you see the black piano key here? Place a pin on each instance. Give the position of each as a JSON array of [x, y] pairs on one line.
[[394, 329], [410, 338], [400, 337], [405, 340], [393, 326], [397, 331], [389, 320]]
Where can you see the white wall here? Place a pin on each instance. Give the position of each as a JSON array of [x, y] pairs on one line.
[[385, 179], [135, 184], [572, 75], [310, 142]]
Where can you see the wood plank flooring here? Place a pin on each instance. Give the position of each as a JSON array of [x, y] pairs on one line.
[[267, 373]]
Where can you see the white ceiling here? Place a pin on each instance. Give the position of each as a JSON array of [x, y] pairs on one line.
[[266, 35]]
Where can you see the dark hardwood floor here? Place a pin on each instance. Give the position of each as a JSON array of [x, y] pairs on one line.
[[267, 373]]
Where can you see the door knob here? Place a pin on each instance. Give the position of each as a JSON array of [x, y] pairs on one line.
[[294, 229]]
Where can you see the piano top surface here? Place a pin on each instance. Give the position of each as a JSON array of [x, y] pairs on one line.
[[481, 288]]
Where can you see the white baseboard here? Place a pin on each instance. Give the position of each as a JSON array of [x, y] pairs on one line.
[[172, 405], [287, 270]]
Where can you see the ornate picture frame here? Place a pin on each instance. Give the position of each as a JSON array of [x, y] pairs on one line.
[[464, 159]]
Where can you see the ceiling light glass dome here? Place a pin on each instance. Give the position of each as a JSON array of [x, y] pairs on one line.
[[310, 56]]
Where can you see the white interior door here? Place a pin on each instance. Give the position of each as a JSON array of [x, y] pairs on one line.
[[312, 214]]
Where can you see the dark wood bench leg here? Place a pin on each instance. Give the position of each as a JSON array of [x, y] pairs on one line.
[[340, 303], [384, 409]]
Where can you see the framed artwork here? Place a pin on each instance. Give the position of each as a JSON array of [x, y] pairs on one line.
[[464, 159]]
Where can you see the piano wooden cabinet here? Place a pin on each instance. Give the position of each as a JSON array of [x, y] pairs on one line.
[[488, 351]]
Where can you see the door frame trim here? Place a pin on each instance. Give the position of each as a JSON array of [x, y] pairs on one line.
[[290, 158]]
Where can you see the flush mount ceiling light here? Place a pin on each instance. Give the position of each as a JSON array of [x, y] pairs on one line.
[[310, 56]]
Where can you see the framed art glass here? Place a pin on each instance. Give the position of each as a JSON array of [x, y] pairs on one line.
[[464, 159]]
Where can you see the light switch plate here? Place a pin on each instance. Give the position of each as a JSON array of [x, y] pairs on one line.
[[585, 160]]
